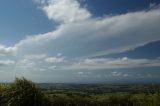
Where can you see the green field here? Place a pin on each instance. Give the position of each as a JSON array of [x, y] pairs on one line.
[[25, 93]]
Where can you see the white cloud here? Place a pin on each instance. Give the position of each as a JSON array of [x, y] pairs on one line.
[[120, 74], [6, 62], [54, 59], [66, 11], [35, 57], [96, 36], [90, 36], [42, 62], [38, 63], [113, 63], [7, 50], [85, 64]]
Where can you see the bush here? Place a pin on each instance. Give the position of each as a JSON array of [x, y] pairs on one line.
[[24, 93], [2, 91]]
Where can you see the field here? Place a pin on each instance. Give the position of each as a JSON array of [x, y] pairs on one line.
[[102, 94], [25, 93]]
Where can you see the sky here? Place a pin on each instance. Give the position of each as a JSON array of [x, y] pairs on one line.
[[80, 41]]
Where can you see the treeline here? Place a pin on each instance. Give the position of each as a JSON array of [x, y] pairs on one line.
[[25, 93]]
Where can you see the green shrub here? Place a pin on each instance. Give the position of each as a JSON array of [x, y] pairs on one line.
[[2, 91], [24, 93]]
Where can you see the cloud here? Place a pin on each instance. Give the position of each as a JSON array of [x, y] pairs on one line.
[[54, 59], [80, 36], [37, 66], [6, 62], [66, 11], [6, 50], [35, 57], [93, 36], [60, 63], [113, 63], [39, 62], [116, 74]]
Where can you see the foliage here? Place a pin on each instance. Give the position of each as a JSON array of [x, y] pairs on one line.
[[23, 93], [3, 88]]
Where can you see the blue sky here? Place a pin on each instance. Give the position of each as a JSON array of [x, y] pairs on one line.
[[80, 41]]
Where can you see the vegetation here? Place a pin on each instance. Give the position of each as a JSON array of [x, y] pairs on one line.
[[25, 93], [22, 93]]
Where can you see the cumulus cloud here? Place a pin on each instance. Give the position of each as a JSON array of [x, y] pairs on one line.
[[66, 11], [7, 50], [93, 36]]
